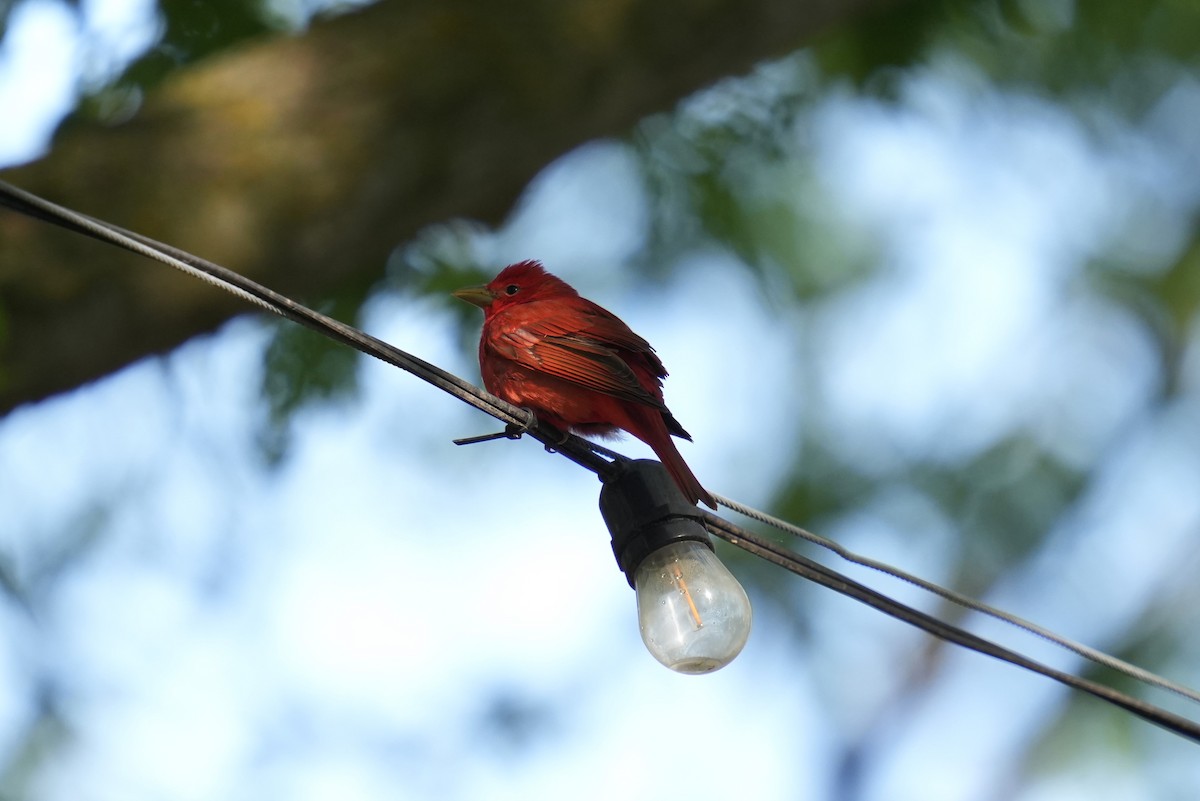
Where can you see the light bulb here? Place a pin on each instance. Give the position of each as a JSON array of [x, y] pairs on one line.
[[693, 614]]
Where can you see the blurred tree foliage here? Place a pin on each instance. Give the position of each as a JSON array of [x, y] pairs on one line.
[[726, 170], [305, 160], [1104, 61]]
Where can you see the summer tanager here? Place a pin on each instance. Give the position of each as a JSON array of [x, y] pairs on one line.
[[576, 365]]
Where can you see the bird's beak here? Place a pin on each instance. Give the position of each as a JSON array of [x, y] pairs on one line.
[[479, 296]]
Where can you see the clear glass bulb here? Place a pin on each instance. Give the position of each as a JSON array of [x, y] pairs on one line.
[[693, 614]]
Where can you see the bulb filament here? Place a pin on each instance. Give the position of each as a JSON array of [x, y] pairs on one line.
[[683, 588]]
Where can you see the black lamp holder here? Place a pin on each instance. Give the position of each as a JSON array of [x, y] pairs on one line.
[[644, 510]]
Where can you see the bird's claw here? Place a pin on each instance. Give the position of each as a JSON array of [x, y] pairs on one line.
[[553, 446]]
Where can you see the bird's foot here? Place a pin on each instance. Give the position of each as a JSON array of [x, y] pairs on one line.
[[552, 446]]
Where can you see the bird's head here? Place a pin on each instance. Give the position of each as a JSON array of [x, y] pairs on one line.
[[517, 283]]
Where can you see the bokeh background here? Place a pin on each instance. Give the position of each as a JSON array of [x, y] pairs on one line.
[[925, 274]]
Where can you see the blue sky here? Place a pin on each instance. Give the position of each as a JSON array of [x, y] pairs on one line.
[[343, 627]]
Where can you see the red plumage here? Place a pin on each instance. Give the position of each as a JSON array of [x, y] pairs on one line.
[[575, 364]]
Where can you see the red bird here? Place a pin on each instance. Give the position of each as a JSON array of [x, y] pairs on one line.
[[576, 365]]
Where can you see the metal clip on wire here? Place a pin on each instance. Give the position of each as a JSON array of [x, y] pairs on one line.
[[511, 431]]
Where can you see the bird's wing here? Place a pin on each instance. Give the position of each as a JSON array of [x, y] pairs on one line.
[[585, 318], [580, 349]]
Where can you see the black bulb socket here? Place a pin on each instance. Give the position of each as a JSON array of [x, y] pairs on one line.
[[644, 511]]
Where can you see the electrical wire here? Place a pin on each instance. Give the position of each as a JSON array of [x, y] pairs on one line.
[[600, 460], [517, 419], [1087, 652], [826, 577], [1099, 657]]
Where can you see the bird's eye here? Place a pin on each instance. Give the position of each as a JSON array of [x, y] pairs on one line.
[[511, 289]]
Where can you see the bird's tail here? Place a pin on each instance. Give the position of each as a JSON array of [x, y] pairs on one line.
[[651, 428], [684, 476]]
